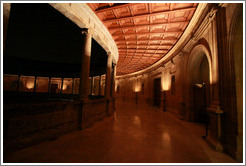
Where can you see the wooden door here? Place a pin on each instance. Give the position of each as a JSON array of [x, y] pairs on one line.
[[53, 88], [199, 104], [157, 92]]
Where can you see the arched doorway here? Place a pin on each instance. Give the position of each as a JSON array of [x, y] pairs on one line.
[[198, 85], [157, 92]]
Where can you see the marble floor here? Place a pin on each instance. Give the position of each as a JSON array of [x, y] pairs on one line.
[[134, 134]]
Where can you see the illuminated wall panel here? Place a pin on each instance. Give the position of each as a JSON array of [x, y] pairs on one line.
[[55, 86], [67, 85], [42, 84], [26, 83], [10, 82], [76, 86]]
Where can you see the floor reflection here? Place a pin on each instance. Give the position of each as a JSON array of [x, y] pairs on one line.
[[137, 121], [134, 134]]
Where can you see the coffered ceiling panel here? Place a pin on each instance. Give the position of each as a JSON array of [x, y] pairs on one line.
[[143, 32]]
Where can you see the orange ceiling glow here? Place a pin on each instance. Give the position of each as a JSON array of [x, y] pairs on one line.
[[143, 32]]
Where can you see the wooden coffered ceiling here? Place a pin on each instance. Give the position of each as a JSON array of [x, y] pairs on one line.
[[143, 32]]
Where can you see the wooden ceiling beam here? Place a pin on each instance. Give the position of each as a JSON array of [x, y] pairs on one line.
[[146, 56], [137, 49], [149, 14], [142, 53], [149, 25], [115, 6], [155, 45], [146, 40], [148, 33]]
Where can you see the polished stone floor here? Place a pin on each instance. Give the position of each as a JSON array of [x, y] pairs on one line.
[[134, 134]]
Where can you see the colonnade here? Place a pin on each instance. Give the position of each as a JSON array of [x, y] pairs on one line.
[[85, 67], [85, 70]]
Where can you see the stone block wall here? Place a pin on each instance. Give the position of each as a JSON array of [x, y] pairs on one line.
[[93, 110], [31, 123]]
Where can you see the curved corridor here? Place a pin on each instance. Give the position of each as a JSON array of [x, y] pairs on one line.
[[134, 134]]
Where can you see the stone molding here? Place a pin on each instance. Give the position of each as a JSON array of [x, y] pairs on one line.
[[87, 31], [82, 15]]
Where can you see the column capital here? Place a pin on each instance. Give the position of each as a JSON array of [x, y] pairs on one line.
[[212, 13], [87, 31], [109, 53]]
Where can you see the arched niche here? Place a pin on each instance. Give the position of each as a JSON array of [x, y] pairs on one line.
[[196, 57], [198, 81]]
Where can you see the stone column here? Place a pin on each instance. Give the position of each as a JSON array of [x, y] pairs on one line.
[[113, 81], [6, 13], [92, 85], [113, 85], [85, 65], [108, 76], [100, 84], [227, 126], [215, 86], [35, 86], [49, 85], [73, 86], [62, 85], [18, 83]]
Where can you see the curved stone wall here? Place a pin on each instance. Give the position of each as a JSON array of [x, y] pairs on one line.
[[205, 39], [82, 15]]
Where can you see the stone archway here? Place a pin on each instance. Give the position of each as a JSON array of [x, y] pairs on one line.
[[198, 81]]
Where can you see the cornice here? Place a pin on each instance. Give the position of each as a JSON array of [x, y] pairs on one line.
[[76, 12]]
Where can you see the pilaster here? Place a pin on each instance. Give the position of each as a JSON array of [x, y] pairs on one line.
[[108, 76]]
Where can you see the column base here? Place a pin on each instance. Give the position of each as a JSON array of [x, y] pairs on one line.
[[182, 111], [163, 101], [239, 152], [214, 135], [92, 111], [110, 106], [83, 102], [114, 104], [215, 144]]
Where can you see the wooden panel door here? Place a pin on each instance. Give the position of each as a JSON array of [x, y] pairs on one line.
[[157, 92]]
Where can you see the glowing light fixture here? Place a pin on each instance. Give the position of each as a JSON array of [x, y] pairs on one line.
[[165, 84], [30, 85], [64, 87], [137, 86]]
